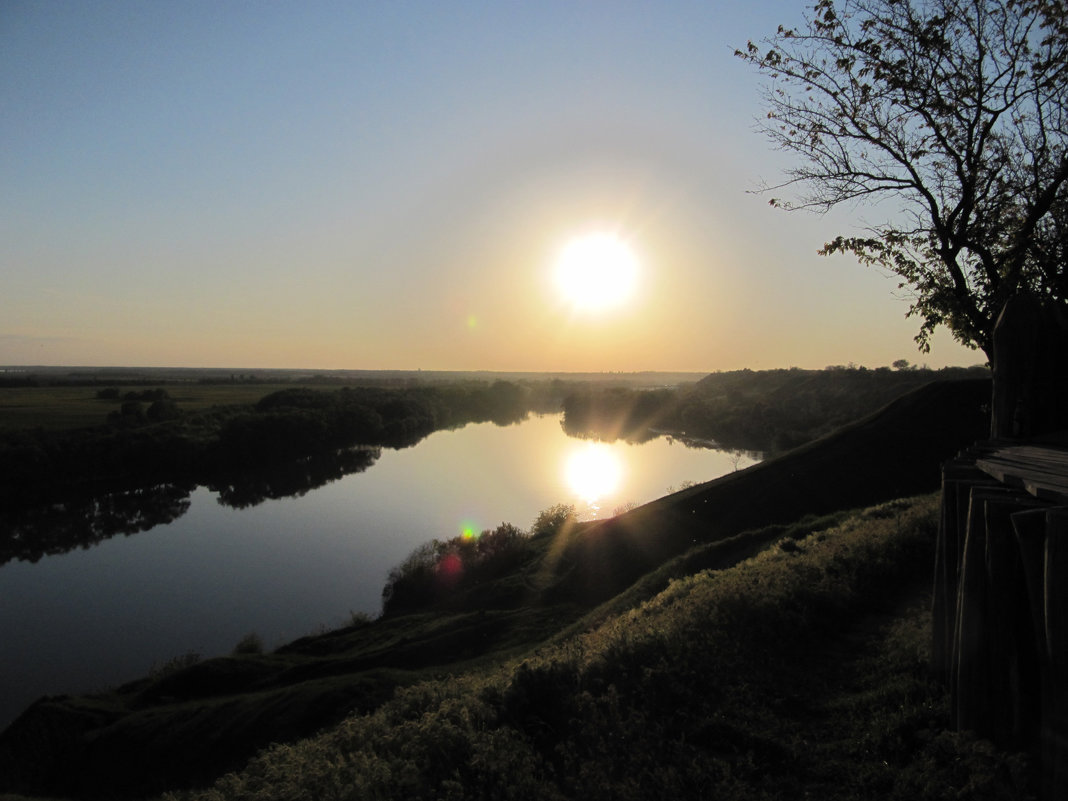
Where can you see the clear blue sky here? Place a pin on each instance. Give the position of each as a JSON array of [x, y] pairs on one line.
[[387, 185]]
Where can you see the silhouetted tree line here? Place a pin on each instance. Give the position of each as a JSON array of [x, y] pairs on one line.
[[141, 445], [770, 410], [298, 421], [55, 379], [620, 413], [133, 411]]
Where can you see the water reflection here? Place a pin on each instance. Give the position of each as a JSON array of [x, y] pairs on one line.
[[290, 479], [85, 521], [593, 471], [28, 535], [104, 615]]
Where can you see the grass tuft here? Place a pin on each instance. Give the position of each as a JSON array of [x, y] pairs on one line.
[[250, 644]]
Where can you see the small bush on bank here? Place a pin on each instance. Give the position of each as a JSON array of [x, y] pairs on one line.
[[554, 520], [173, 665], [251, 643], [438, 569]]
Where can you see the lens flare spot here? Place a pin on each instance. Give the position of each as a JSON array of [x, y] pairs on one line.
[[450, 568]]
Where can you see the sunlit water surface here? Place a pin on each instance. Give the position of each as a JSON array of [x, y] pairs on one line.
[[92, 618]]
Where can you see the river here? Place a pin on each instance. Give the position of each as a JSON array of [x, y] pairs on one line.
[[115, 605]]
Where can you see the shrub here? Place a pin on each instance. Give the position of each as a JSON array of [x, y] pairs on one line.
[[553, 520], [174, 664], [359, 619], [250, 644], [436, 570], [163, 409]]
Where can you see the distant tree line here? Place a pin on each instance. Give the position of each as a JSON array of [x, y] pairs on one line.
[[149, 439], [769, 410]]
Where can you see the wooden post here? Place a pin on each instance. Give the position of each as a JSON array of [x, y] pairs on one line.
[[1055, 725], [970, 674], [1043, 538], [1012, 656], [958, 477]]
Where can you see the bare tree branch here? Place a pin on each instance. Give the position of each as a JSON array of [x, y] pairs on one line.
[[956, 110]]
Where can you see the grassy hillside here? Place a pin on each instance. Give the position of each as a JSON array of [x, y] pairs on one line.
[[771, 411], [741, 639], [893, 453], [800, 672]]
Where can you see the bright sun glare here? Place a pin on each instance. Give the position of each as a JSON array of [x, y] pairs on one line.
[[593, 471], [596, 272]]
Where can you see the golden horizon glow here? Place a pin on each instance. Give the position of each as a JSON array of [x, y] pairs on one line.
[[596, 272]]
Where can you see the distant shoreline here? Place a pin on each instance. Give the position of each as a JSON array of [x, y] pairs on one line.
[[69, 373]]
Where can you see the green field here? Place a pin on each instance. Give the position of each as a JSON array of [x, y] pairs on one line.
[[63, 407]]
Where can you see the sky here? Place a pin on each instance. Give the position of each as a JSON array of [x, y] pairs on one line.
[[389, 185]]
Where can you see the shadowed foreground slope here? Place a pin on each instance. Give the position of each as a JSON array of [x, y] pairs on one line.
[[187, 727], [800, 673], [894, 453]]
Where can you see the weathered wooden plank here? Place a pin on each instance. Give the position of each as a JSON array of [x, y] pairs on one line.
[[1022, 469], [1040, 470], [1055, 728], [1046, 454], [1017, 464], [1025, 464], [959, 476], [1003, 631], [970, 687], [1033, 453], [1010, 640], [1030, 528]]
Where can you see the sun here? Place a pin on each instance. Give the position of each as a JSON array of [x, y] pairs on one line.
[[596, 272]]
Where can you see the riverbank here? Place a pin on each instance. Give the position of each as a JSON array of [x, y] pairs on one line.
[[800, 672], [187, 727]]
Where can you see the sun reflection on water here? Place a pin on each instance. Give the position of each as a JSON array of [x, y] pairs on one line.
[[593, 471]]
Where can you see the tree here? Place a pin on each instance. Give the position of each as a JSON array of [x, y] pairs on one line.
[[955, 109]]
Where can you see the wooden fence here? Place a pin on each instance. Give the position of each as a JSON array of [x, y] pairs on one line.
[[1001, 599]]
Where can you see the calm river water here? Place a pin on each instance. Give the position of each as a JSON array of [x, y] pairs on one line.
[[102, 615]]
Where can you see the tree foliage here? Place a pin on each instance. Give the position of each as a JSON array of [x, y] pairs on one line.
[[439, 570], [955, 110]]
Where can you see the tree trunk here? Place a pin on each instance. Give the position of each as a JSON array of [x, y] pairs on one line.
[[1030, 367]]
